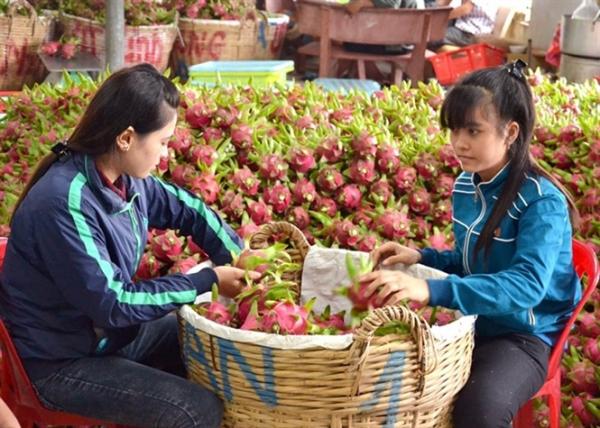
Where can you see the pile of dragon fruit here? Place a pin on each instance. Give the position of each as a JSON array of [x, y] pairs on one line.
[[349, 170]]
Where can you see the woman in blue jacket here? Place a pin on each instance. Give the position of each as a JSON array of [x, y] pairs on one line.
[[93, 341], [512, 261]]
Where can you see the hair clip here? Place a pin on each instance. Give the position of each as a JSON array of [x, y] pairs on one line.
[[60, 149], [516, 68]]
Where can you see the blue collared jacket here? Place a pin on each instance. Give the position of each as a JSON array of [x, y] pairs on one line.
[[74, 248], [528, 283]]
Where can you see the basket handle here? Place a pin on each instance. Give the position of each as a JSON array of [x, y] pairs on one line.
[[419, 330], [287, 230], [14, 4]]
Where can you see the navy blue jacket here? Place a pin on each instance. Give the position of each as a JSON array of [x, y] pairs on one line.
[[66, 288], [528, 283]]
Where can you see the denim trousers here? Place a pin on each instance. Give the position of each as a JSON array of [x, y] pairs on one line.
[[143, 385], [505, 373]]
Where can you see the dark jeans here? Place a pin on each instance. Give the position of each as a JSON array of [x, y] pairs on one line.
[[141, 386], [454, 37], [505, 373]]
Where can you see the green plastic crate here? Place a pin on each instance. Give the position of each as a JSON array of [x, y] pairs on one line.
[[258, 73]]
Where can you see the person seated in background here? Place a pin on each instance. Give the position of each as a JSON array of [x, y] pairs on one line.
[[469, 20]]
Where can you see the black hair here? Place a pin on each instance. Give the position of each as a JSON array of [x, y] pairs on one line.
[[505, 90], [137, 96]]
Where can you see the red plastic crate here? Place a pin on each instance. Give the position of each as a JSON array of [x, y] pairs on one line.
[[450, 66]]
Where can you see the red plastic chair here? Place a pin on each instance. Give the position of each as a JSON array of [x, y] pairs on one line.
[[586, 263], [16, 389]]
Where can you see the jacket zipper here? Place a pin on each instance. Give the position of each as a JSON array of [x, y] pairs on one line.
[[531, 316], [136, 232], [471, 229]]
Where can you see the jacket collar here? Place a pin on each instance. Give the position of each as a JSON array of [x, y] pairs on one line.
[[109, 199], [495, 182]]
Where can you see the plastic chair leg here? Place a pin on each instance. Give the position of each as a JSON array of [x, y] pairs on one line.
[[554, 407], [524, 418]]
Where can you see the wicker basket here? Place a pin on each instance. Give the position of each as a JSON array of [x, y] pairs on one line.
[[392, 381], [20, 39], [212, 40], [151, 43]]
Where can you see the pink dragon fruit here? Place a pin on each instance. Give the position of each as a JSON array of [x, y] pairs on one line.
[[305, 122], [225, 117], [182, 174], [241, 136], [427, 166], [334, 323], [592, 350], [442, 212], [302, 160], [364, 145], [259, 212], [439, 240], [304, 191], [149, 267], [419, 201], [50, 48], [363, 217], [329, 179], [594, 155], [198, 116], [367, 243], [206, 185], [203, 154], [537, 151], [279, 197], [569, 133], [346, 233], [405, 179], [349, 197], [246, 181], [393, 224], [589, 325], [286, 318], [543, 134], [343, 115], [388, 158], [362, 171], [590, 200], [273, 167], [331, 149], [181, 141], [246, 230], [326, 206], [232, 204], [580, 410], [444, 183], [380, 192], [212, 135], [183, 265], [215, 310], [299, 218], [448, 157], [582, 376], [167, 246], [561, 157]]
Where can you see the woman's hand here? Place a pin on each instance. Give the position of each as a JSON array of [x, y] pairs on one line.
[[391, 253], [231, 280], [391, 287]]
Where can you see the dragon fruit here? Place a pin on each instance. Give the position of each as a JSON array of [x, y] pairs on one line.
[[286, 318], [279, 197], [448, 157], [241, 136], [346, 233], [583, 377], [363, 217], [305, 122], [326, 206], [427, 166], [393, 224], [215, 310], [442, 212], [183, 265], [302, 160], [364, 145], [537, 151], [439, 240], [444, 183], [330, 323], [206, 185], [349, 197], [590, 201], [212, 135], [182, 174], [589, 324], [592, 350], [362, 171], [198, 116], [259, 212], [225, 117], [388, 158], [273, 167], [569, 133], [248, 229], [543, 134], [579, 409], [245, 180], [181, 141], [357, 291], [299, 218], [304, 192], [329, 179], [561, 157], [405, 179], [419, 201], [342, 115], [232, 204], [367, 243], [594, 155], [166, 246], [149, 267], [330, 149], [380, 192], [202, 153]]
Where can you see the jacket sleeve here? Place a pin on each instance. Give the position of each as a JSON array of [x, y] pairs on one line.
[[449, 261], [171, 207], [74, 250], [521, 286]]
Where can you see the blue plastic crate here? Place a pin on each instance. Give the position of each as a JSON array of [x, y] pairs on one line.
[[259, 73], [346, 85]]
